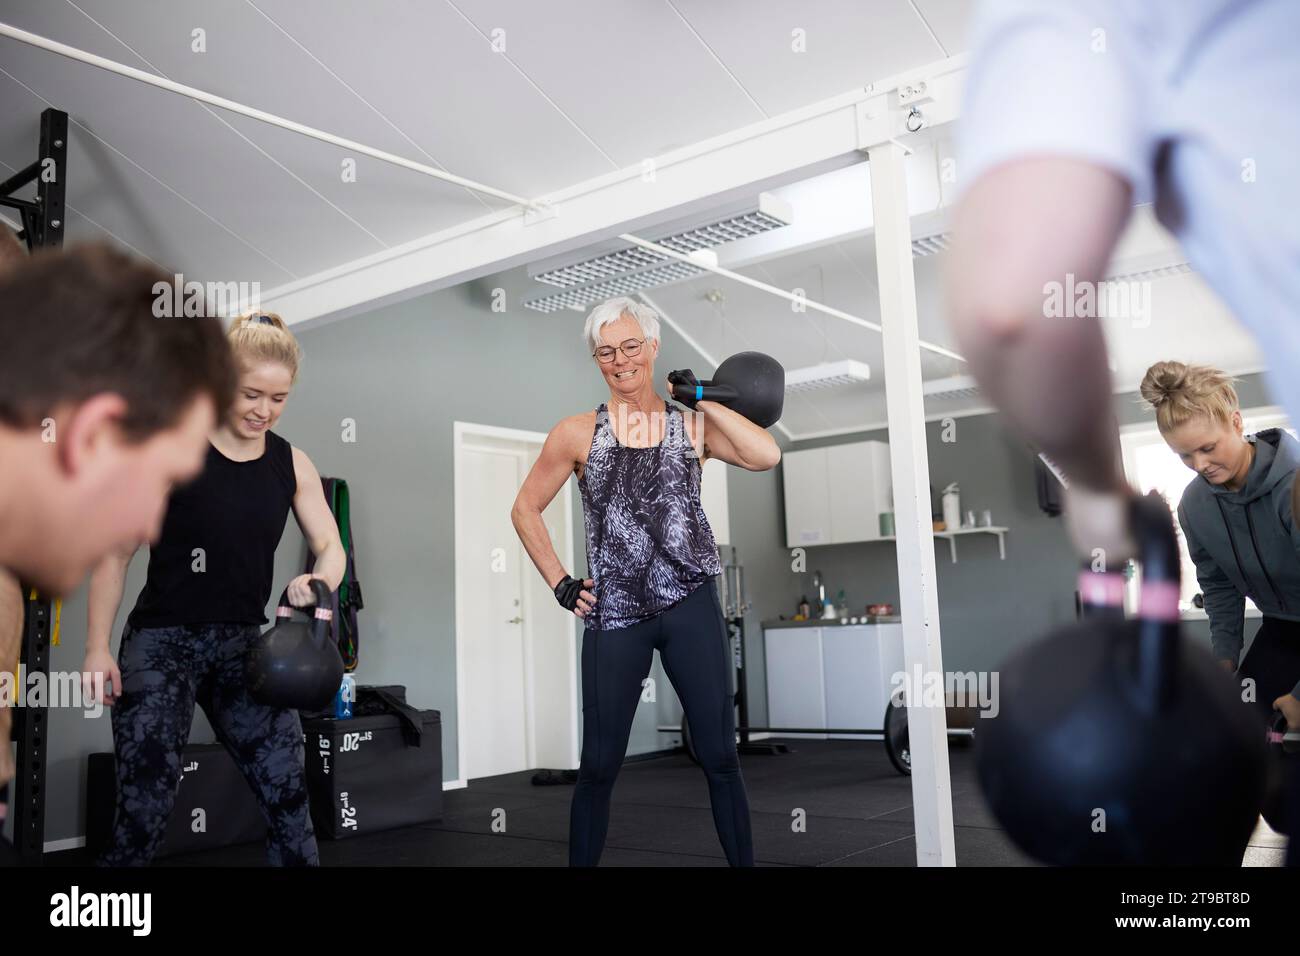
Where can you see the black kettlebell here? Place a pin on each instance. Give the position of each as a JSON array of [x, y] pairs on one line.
[[295, 664], [1275, 795], [1120, 741], [749, 383]]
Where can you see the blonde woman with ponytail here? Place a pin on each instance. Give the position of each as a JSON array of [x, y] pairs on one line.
[[1238, 519], [209, 581]]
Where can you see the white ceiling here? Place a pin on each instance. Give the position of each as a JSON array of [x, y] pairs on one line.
[[1187, 322], [581, 88], [828, 252]]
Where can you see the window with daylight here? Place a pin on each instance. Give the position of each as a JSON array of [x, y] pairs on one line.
[[1151, 465]]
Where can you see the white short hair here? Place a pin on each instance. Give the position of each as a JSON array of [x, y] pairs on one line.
[[612, 310]]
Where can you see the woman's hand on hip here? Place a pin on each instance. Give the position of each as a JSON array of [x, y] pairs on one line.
[[574, 595]]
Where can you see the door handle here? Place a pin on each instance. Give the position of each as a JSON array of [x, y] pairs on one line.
[[515, 620]]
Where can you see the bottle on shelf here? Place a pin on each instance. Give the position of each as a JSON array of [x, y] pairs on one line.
[[952, 507]]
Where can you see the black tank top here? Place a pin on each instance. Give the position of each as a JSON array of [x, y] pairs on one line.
[[215, 560]]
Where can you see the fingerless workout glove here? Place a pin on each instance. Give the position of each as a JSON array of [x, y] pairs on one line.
[[684, 377], [567, 592]]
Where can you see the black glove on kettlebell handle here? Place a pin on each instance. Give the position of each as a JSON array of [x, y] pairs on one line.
[[688, 390]]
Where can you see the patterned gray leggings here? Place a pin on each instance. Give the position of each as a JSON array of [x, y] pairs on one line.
[[165, 671]]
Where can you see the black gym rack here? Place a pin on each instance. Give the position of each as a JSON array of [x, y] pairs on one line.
[[42, 220]]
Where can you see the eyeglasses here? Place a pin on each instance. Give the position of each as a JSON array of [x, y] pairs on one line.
[[631, 348]]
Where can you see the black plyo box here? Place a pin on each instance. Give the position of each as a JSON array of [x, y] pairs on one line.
[[365, 777], [214, 805]]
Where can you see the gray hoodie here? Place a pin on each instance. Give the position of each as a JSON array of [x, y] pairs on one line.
[[1245, 543]]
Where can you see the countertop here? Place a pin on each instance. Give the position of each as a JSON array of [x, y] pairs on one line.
[[840, 622]]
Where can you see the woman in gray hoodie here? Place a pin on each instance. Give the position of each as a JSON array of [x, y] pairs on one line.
[[1237, 518]]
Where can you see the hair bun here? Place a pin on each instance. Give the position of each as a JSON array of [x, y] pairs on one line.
[[1179, 393], [1163, 382], [256, 319], [264, 337]]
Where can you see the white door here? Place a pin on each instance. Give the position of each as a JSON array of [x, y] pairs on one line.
[[516, 651], [495, 686]]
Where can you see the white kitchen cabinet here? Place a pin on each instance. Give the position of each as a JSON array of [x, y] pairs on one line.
[[838, 675], [859, 663], [795, 686], [807, 498], [836, 494], [860, 486]]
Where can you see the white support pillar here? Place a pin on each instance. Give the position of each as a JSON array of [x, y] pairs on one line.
[[909, 461]]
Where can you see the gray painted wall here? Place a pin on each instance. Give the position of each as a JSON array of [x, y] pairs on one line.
[[405, 372], [988, 607]]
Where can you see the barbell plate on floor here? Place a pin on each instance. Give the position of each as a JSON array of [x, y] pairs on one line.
[[896, 742]]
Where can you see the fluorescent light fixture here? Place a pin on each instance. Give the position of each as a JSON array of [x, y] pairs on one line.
[[731, 222], [827, 375], [587, 295], [929, 245], [1159, 272], [941, 241], [1055, 469], [957, 386]]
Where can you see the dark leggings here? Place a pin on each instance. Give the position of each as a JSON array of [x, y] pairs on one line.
[[165, 671], [691, 637], [1273, 661]]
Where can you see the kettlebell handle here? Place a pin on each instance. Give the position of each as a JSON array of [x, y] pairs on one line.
[[1157, 544], [1158, 616], [705, 392], [322, 614], [1277, 729], [1102, 592]]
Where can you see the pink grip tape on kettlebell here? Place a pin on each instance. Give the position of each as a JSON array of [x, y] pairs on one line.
[[1101, 588], [1159, 601]]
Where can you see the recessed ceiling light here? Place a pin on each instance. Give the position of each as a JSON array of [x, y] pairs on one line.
[[827, 375]]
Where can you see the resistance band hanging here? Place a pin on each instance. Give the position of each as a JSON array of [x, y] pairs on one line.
[[347, 599]]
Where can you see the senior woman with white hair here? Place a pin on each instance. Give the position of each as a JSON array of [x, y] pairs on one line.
[[653, 562]]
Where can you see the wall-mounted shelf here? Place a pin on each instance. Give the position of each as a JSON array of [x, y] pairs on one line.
[[953, 535]]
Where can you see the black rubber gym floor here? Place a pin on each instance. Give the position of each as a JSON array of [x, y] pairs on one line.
[[856, 811]]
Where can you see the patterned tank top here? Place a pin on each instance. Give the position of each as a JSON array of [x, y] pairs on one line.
[[649, 543]]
